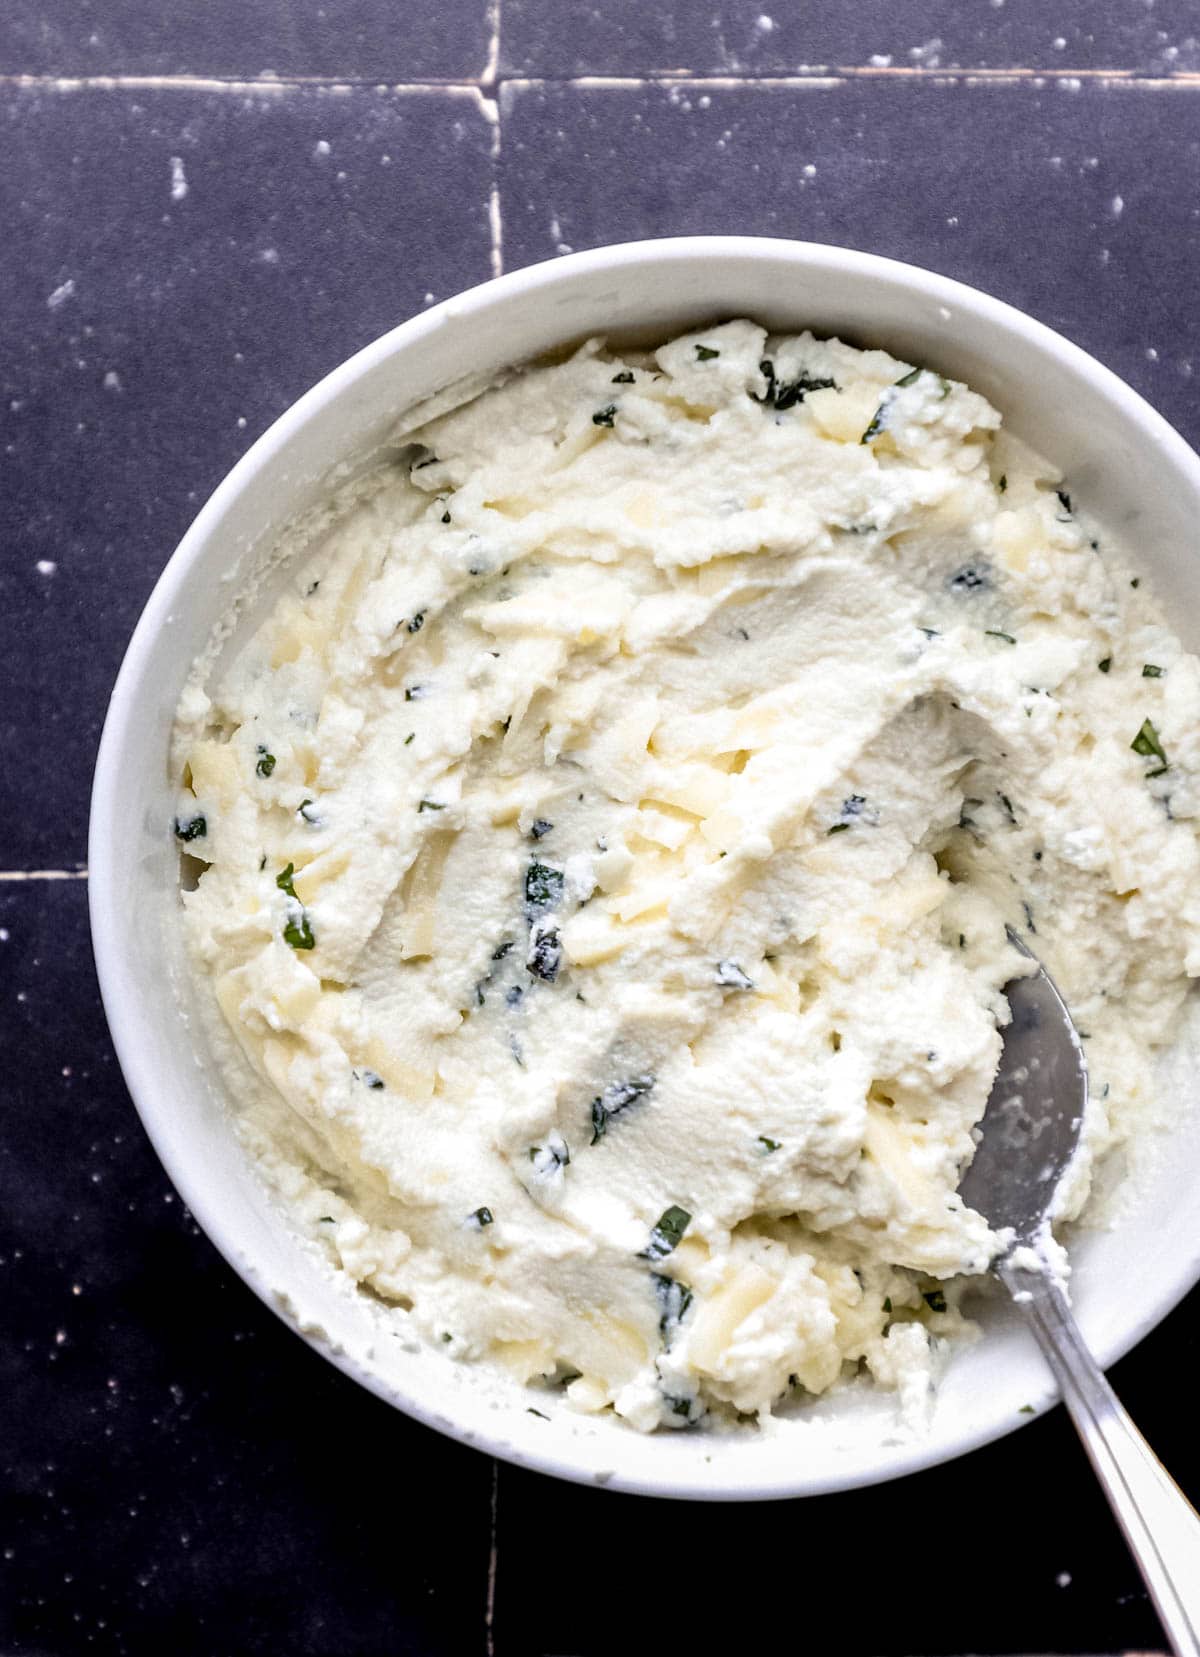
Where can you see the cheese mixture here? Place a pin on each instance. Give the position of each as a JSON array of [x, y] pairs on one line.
[[610, 839]]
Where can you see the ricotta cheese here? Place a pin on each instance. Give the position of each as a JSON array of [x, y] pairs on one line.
[[608, 843]]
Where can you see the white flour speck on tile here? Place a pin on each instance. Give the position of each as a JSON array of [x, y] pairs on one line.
[[1151, 354], [429, 299], [63, 292], [881, 60], [1059, 43], [241, 422], [179, 183], [929, 54], [1071, 83], [764, 24], [4, 934], [269, 256], [322, 148], [112, 381], [1063, 1579], [1117, 206], [46, 566], [809, 170]]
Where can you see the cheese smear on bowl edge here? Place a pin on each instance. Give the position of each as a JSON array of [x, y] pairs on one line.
[[607, 846]]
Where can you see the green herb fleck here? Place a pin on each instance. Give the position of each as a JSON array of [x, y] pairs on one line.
[[299, 933], [303, 811], [1002, 484], [1136, 582], [1147, 743], [543, 889], [617, 1096], [266, 762], [605, 416], [995, 633], [480, 1218], [431, 805], [1105, 664], [887, 1305], [911, 378], [327, 1219], [1150, 671], [785, 394], [547, 1159], [409, 738], [372, 1080], [705, 353], [935, 1299], [1027, 1409], [418, 621], [731, 977], [539, 827], [624, 378], [674, 1298], [667, 1234], [1064, 501], [768, 1145], [531, 1411], [838, 828], [191, 828]]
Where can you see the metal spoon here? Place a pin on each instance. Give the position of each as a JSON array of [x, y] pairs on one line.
[[1029, 1134]]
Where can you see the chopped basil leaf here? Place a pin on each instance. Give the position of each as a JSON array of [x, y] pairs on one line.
[[887, 1305], [674, 1298], [837, 828], [545, 955], [418, 621], [431, 805], [1008, 808], [705, 353], [1105, 664], [327, 1219], [911, 378], [445, 520], [1027, 1409], [191, 828], [624, 378], [1147, 743], [266, 762], [605, 416], [284, 880], [414, 693], [543, 889], [549, 1158], [1136, 582], [299, 933], [409, 738], [529, 1410], [995, 633], [935, 1299], [1064, 501], [768, 1145], [785, 394], [617, 1096], [731, 976], [502, 950], [309, 817], [667, 1234], [1002, 484], [480, 1218], [1149, 671]]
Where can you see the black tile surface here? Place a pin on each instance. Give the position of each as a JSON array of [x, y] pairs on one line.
[[180, 1473], [755, 37], [152, 334], [1073, 226], [372, 40]]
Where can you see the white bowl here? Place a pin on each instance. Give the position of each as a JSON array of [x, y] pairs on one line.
[[1135, 475]]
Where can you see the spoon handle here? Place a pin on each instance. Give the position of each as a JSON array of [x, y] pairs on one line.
[[1160, 1524]]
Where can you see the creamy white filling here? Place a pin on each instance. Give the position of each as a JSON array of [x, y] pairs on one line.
[[610, 840]]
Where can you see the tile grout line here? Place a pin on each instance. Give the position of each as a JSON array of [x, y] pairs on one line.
[[492, 79], [489, 93], [43, 874], [489, 1614]]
